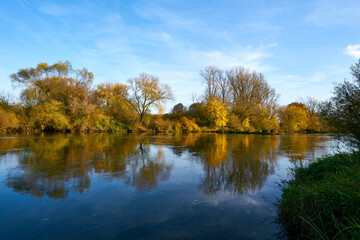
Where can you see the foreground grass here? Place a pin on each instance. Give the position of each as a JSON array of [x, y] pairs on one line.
[[322, 200]]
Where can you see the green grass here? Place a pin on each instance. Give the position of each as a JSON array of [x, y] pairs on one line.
[[322, 199]]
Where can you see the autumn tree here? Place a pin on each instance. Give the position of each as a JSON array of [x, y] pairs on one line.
[[262, 120], [216, 83], [294, 117], [112, 98], [216, 113], [314, 122], [8, 120], [249, 89], [147, 92], [58, 82]]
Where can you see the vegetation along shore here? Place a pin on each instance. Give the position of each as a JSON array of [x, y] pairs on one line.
[[60, 98], [322, 199]]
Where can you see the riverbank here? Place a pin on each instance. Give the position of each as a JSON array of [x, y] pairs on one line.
[[322, 199]]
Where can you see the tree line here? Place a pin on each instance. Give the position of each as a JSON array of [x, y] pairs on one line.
[[60, 98]]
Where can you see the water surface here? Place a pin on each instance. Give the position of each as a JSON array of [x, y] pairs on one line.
[[112, 186]]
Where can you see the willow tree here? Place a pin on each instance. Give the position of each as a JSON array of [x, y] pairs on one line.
[[147, 92], [58, 82]]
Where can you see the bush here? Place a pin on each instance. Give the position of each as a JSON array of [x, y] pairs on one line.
[[49, 116], [322, 200], [8, 120], [216, 113], [189, 125], [160, 124], [234, 123]]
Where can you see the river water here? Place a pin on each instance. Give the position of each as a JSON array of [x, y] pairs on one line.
[[113, 186]]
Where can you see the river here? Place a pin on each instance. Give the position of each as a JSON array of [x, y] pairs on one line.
[[123, 186]]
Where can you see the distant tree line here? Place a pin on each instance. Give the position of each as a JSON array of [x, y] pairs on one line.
[[60, 98], [242, 101]]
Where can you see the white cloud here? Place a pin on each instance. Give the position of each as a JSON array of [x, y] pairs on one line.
[[353, 50]]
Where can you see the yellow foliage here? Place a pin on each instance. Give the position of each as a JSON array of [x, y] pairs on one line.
[[234, 123], [8, 120], [189, 125], [246, 124], [112, 98], [314, 123], [218, 151], [293, 118], [161, 124], [216, 113], [49, 116]]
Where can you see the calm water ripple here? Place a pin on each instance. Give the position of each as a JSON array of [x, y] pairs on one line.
[[112, 186]]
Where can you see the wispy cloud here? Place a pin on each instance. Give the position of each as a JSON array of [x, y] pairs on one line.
[[57, 10], [167, 17], [353, 50], [332, 12], [249, 57]]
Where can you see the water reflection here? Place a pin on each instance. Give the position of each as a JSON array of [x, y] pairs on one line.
[[243, 165], [55, 166]]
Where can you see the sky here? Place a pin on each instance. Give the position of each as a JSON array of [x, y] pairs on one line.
[[302, 47]]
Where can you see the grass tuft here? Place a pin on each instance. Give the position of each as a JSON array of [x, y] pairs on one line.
[[322, 199]]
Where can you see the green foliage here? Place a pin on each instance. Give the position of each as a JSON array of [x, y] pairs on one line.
[[342, 112], [197, 112], [322, 200]]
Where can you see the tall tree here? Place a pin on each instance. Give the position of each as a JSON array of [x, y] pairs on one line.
[[147, 92], [112, 98], [216, 82], [249, 89]]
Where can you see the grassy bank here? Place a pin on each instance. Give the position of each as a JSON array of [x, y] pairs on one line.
[[322, 200]]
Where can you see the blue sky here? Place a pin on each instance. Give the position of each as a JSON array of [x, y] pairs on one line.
[[302, 47]]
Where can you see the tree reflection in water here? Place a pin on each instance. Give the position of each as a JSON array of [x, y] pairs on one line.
[[57, 165], [242, 166]]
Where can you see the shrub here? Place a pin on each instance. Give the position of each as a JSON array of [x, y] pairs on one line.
[[234, 123], [322, 200], [8, 120], [189, 125], [49, 116]]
